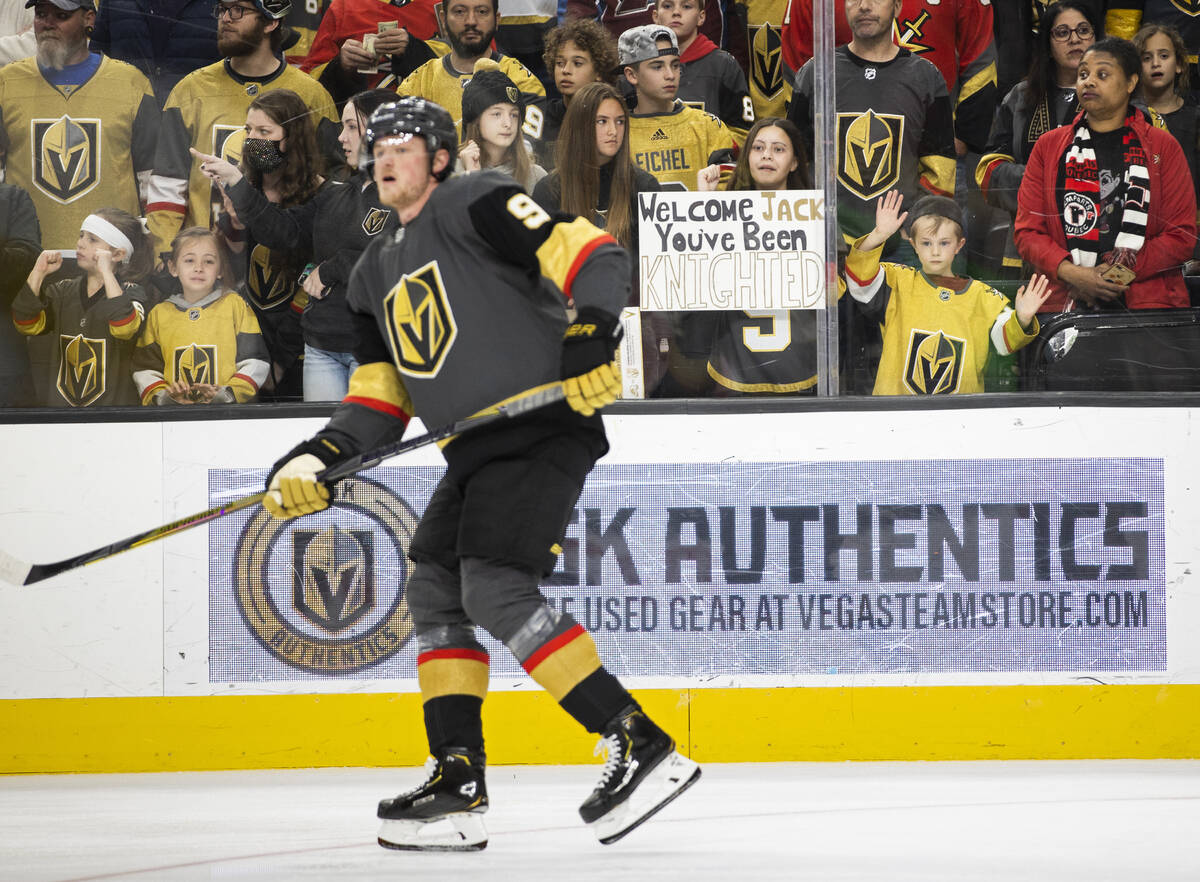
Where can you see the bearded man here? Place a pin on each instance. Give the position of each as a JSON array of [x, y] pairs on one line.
[[77, 130], [470, 28], [209, 105]]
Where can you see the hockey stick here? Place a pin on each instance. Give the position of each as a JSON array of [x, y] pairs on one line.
[[18, 572]]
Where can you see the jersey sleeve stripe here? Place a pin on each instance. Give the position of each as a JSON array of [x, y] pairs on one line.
[[166, 206], [565, 250], [32, 326], [987, 167], [378, 386]]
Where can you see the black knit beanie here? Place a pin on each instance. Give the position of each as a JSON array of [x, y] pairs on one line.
[[488, 86]]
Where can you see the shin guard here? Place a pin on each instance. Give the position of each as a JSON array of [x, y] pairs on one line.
[[452, 669], [560, 655]]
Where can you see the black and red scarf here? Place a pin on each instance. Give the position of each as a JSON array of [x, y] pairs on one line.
[[1081, 195]]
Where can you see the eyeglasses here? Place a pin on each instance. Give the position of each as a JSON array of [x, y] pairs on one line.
[[235, 13], [1062, 32]]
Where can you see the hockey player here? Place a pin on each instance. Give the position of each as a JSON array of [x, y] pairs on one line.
[[493, 524], [210, 104], [669, 139], [936, 328], [75, 124], [710, 78], [470, 27]]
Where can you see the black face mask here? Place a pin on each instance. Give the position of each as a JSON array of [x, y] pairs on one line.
[[262, 154]]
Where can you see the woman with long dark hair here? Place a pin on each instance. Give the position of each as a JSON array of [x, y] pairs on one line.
[[1044, 100], [596, 177], [1103, 208], [280, 159], [339, 221]]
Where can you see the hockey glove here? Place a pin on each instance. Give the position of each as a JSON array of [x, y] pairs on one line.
[[292, 486], [590, 376]]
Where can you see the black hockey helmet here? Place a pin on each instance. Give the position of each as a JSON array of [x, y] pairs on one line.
[[273, 9], [412, 116]]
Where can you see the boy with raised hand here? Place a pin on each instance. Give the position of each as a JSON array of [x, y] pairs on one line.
[[667, 138], [711, 78], [936, 327]]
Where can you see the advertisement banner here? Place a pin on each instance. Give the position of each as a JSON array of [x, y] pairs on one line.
[[732, 250], [703, 570]]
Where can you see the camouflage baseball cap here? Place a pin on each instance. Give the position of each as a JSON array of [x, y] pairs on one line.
[[641, 43]]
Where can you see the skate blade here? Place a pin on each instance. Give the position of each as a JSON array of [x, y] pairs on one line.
[[673, 775], [462, 831]]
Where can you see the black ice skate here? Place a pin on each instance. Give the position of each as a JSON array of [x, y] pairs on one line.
[[642, 774], [443, 814]]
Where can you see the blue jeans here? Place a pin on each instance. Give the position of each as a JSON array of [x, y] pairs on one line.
[[327, 374]]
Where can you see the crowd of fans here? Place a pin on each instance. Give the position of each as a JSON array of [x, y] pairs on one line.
[[184, 197]]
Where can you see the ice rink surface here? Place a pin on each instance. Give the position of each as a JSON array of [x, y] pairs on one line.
[[1061, 821]]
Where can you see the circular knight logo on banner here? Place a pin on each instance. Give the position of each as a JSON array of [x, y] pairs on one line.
[[326, 593]]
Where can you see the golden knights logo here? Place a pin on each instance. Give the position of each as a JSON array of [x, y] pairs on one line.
[[267, 285], [869, 158], [66, 156], [326, 594], [227, 142], [375, 221], [766, 62], [934, 363], [82, 369], [333, 576], [196, 363], [420, 324], [1190, 8]]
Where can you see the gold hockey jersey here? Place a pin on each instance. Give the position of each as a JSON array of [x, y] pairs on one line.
[[674, 146], [80, 149], [202, 111], [935, 338], [215, 340]]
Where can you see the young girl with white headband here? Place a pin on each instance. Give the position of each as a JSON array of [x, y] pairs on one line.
[[96, 316]]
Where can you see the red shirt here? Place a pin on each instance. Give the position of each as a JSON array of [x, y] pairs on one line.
[[346, 19], [1170, 229]]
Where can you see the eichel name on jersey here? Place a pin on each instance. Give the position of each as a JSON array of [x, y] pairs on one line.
[[674, 146], [95, 141], [205, 108], [935, 338], [440, 338], [894, 131], [438, 81], [92, 362], [215, 340]]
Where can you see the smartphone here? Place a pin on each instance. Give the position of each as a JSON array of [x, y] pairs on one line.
[[305, 273]]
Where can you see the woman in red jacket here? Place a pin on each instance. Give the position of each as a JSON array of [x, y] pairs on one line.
[[1106, 208]]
